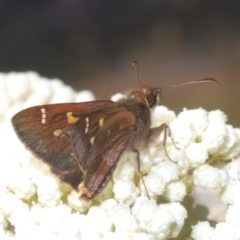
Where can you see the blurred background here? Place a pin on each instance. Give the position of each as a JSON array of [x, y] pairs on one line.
[[91, 44]]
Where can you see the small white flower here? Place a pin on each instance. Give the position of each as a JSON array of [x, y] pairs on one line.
[[217, 116], [143, 210], [155, 185], [232, 144], [175, 191], [203, 231], [160, 115], [233, 169], [125, 191], [161, 224], [84, 96], [197, 154], [49, 193], [214, 137], [125, 169], [183, 132], [198, 118], [179, 213], [9, 203], [230, 194], [123, 220], [22, 186], [209, 177], [168, 171], [75, 203], [118, 96]]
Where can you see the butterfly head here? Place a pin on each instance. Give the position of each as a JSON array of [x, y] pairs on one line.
[[146, 95]]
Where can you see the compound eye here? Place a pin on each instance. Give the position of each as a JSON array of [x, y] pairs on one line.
[[151, 100]]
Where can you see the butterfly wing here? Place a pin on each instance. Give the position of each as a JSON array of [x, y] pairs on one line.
[[81, 142], [43, 129], [107, 135]]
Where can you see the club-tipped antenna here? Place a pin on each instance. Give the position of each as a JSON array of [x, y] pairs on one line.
[[193, 82], [136, 66]]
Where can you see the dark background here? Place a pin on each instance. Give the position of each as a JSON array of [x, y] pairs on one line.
[[90, 45]]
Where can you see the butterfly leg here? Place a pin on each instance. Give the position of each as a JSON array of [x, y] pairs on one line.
[[136, 153], [154, 132]]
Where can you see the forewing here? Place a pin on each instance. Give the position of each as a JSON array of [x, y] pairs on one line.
[[43, 129]]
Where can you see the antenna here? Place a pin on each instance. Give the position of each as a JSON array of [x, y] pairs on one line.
[[193, 82], [136, 66]]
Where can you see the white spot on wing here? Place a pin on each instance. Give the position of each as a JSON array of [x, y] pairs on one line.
[[101, 122], [57, 132], [92, 140], [44, 116], [87, 124]]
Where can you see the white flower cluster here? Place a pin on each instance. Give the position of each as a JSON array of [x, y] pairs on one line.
[[35, 205]]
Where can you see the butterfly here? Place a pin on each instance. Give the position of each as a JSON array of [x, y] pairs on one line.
[[82, 142]]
